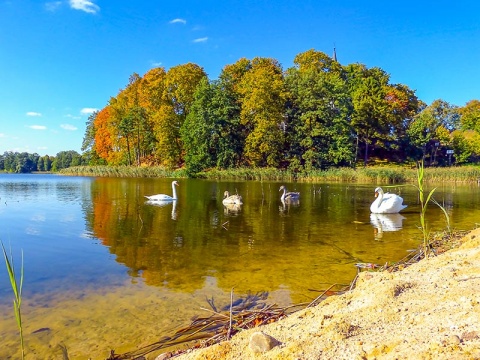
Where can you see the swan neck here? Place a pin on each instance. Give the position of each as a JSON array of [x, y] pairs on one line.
[[174, 191], [379, 199]]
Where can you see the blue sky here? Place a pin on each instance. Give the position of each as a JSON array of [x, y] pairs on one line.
[[61, 60]]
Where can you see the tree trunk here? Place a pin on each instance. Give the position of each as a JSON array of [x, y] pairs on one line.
[[365, 160]]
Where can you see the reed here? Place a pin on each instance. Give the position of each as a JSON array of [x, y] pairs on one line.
[[17, 292], [425, 198], [245, 173]]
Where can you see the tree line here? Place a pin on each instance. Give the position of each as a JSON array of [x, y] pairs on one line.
[[318, 114], [16, 162]]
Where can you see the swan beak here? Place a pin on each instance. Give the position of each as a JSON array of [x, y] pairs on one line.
[[376, 194]]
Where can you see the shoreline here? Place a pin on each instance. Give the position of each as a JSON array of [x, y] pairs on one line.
[[429, 310]]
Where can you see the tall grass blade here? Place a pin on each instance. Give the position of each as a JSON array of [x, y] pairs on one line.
[[17, 292]]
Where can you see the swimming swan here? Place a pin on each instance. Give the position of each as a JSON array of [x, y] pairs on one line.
[[163, 197], [289, 196], [234, 199], [386, 203]]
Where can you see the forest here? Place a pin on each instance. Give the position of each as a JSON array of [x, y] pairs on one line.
[[315, 115]]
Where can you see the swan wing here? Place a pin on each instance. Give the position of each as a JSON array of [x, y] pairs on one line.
[[391, 203]]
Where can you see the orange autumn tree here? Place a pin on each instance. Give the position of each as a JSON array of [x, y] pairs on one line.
[[104, 136]]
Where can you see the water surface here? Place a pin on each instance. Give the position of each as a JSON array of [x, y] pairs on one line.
[[105, 270]]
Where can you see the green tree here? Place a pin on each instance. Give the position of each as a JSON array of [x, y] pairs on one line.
[[370, 115], [430, 129], [470, 116], [66, 159], [198, 129], [317, 126]]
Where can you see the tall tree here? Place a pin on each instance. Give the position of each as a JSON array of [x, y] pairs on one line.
[[319, 109], [369, 118], [180, 84], [263, 102], [198, 129], [403, 105]]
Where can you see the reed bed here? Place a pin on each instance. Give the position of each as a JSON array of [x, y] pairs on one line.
[[384, 174], [123, 171]]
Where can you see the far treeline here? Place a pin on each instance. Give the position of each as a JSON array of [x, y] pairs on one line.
[[317, 114], [15, 162]]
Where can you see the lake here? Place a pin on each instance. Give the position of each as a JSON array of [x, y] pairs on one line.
[[104, 269]]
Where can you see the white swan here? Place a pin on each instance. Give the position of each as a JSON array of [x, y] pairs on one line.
[[386, 203], [234, 199], [163, 197], [289, 196]]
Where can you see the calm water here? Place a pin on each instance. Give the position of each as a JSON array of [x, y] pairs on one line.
[[105, 270]]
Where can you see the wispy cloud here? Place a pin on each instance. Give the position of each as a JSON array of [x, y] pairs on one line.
[[86, 111], [156, 64], [178, 21], [72, 116], [2, 135], [38, 127], [68, 127], [199, 40], [52, 5], [84, 5], [33, 113]]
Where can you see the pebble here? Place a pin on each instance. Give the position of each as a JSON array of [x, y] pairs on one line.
[[260, 342]]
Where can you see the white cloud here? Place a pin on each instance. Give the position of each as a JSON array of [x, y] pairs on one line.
[[86, 111], [52, 5], [38, 127], [84, 5], [68, 127], [178, 21], [156, 64], [200, 40], [33, 113], [2, 135]]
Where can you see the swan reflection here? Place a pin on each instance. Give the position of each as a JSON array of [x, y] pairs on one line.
[[163, 204], [386, 222], [231, 209], [286, 204]]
